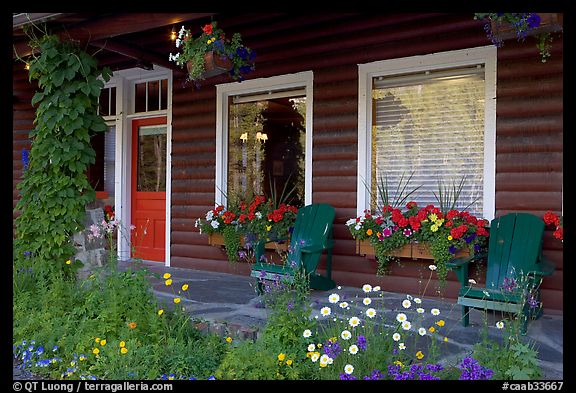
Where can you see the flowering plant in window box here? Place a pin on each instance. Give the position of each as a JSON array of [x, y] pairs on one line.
[[445, 234], [555, 221], [212, 49], [221, 226]]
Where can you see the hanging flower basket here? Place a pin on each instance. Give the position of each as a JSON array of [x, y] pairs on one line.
[[213, 65], [549, 23]]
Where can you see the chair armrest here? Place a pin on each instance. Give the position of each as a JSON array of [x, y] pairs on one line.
[[546, 268], [457, 263], [312, 248]]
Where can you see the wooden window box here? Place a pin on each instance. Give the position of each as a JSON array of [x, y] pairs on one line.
[[411, 250], [549, 23], [217, 239]]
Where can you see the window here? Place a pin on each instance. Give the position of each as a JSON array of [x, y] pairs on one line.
[[267, 144], [151, 95], [264, 138], [432, 118]]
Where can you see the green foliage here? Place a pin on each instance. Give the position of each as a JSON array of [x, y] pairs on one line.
[[510, 360], [55, 188], [232, 242], [109, 311]]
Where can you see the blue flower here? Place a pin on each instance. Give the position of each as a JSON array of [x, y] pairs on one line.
[[533, 20]]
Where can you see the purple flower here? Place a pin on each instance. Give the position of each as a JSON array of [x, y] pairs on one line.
[[509, 284], [469, 238], [387, 232], [347, 377], [361, 342], [453, 249], [533, 302], [375, 375], [472, 370], [332, 349], [533, 20], [407, 232]]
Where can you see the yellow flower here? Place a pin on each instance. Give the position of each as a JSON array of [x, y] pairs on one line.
[[369, 232], [122, 344], [440, 323], [289, 362], [268, 227], [433, 217], [168, 282], [398, 363], [419, 355], [433, 227], [431, 329], [123, 350], [97, 339], [102, 342], [95, 351], [167, 275], [445, 339], [177, 300], [450, 237], [160, 312], [68, 262], [228, 339], [185, 287], [281, 357]]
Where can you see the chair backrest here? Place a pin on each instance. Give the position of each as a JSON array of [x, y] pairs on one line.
[[313, 226], [514, 247]]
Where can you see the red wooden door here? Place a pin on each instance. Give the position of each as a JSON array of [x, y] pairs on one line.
[[149, 141]]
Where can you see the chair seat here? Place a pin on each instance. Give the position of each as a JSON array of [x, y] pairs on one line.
[[490, 294], [270, 271]]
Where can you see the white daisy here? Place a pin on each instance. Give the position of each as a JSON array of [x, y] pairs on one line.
[[471, 281], [314, 357], [367, 288], [367, 301], [346, 335], [420, 310], [354, 321], [353, 349], [344, 305], [370, 313], [396, 337], [417, 300], [307, 333], [348, 369], [435, 311], [422, 331], [432, 267], [324, 359], [401, 346], [406, 325], [334, 298], [401, 317], [325, 311], [351, 221], [376, 288], [406, 303], [311, 348], [500, 325]]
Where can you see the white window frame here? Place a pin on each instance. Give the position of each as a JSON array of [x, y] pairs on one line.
[[124, 81], [253, 86], [485, 55]]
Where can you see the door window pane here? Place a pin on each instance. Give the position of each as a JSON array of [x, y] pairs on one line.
[[151, 165]]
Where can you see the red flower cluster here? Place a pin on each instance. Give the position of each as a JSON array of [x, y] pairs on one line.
[[278, 214], [555, 221], [109, 212]]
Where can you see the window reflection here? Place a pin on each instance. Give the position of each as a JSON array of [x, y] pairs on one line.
[[266, 148]]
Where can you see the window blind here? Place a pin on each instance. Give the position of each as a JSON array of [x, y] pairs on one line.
[[430, 126]]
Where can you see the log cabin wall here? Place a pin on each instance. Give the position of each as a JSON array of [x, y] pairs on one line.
[[529, 131]]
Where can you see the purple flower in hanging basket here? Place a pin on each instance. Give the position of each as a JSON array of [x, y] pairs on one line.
[[453, 249], [533, 20]]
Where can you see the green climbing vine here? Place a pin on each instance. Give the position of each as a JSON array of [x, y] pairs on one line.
[[55, 188]]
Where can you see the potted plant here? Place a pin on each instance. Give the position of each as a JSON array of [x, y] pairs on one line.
[[212, 53]]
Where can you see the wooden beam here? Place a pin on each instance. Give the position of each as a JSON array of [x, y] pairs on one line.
[[137, 53], [113, 25]]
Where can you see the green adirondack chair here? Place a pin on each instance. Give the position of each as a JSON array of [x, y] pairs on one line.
[[514, 253], [312, 236]]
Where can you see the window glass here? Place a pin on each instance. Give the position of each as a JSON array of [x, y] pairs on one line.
[[140, 97], [429, 126], [151, 165], [266, 147]]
